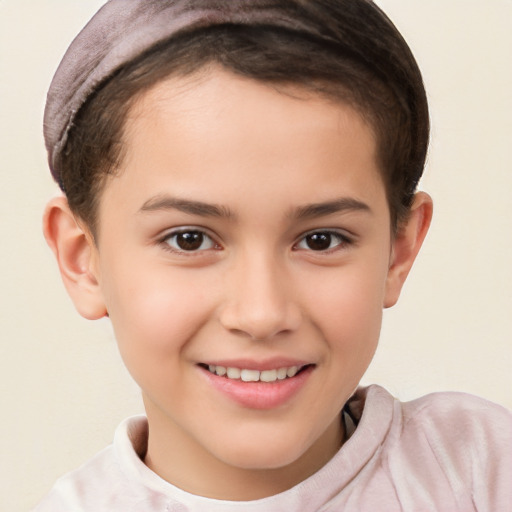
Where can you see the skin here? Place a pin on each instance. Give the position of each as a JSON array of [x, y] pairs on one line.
[[259, 158]]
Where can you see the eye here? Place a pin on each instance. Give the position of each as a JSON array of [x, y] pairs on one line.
[[322, 241], [189, 240]]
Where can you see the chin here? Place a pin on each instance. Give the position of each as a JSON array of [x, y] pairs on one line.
[[262, 454]]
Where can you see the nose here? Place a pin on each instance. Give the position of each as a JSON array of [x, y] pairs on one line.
[[259, 301]]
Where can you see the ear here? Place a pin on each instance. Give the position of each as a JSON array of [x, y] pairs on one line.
[[75, 251], [406, 245]]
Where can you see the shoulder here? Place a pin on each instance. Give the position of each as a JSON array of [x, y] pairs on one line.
[[104, 480], [464, 440], [73, 490], [458, 418], [446, 419]]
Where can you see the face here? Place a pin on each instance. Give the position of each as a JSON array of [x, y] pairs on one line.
[[247, 233]]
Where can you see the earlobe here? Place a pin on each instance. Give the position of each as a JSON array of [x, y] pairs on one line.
[[75, 251], [406, 246]]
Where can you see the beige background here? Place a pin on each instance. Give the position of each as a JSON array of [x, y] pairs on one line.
[[63, 388]]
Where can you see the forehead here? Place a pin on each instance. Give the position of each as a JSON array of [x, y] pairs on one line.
[[220, 131]]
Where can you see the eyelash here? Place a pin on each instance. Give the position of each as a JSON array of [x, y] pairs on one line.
[[204, 237], [342, 241], [201, 237]]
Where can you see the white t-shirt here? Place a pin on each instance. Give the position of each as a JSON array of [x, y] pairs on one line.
[[445, 452]]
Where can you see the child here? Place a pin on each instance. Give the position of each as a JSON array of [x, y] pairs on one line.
[[240, 200]]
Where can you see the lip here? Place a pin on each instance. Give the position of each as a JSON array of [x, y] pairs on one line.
[[258, 395]]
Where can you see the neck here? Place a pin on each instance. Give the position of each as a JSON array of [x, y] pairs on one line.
[[177, 458]]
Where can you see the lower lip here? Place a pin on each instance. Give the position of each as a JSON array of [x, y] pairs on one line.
[[259, 395]]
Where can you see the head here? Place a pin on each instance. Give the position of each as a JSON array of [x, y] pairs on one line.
[[346, 51], [240, 193]]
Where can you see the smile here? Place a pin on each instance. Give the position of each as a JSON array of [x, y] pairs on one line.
[[269, 387], [247, 375]]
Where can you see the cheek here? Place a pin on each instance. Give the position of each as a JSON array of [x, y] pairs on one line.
[[156, 313], [348, 309]]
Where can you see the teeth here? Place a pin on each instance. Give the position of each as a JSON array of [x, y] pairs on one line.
[[234, 373], [281, 373], [254, 375], [220, 371], [250, 375], [292, 371], [268, 375]]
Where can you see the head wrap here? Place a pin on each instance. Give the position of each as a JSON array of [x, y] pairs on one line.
[[122, 30]]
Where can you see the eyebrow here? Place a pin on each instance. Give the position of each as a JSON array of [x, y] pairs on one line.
[[309, 211], [343, 204], [159, 203]]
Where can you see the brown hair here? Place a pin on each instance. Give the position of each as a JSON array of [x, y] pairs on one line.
[[358, 57]]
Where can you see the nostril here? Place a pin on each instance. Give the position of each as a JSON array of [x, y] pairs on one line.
[[260, 324]]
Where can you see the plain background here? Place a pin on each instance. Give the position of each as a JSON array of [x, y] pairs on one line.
[[63, 388]]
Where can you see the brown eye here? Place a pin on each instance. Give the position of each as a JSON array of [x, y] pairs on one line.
[[322, 241], [189, 241], [319, 241]]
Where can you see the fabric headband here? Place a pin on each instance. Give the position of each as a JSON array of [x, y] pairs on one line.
[[124, 29]]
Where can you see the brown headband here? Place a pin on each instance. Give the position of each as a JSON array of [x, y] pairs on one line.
[[124, 29]]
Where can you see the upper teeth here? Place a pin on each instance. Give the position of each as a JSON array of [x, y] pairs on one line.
[[254, 375]]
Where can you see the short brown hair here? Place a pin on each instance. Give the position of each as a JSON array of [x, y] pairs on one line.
[[351, 52]]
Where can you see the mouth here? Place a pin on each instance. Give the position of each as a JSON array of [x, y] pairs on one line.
[[250, 375], [269, 387]]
